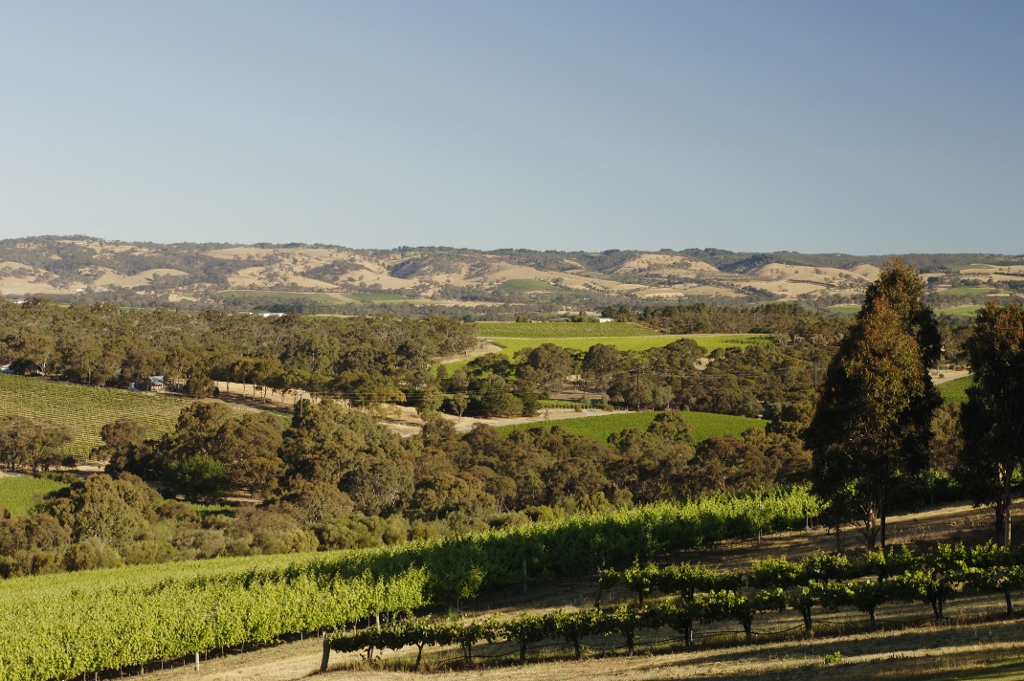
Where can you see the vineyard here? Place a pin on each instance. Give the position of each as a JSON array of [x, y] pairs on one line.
[[696, 596], [61, 626], [600, 428], [18, 494], [955, 390], [85, 410]]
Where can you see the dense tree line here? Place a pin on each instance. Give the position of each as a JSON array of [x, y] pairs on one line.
[[364, 359], [335, 479], [879, 422], [744, 381], [788, 320]]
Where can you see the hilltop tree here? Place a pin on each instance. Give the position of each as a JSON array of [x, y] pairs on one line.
[[872, 424], [992, 421]]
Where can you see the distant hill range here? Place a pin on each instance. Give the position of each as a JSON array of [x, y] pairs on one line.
[[267, 276]]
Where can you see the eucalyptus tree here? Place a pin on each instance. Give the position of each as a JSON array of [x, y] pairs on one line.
[[992, 420], [872, 424]]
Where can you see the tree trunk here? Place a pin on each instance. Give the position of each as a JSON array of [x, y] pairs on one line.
[[1009, 599], [1004, 519], [326, 656], [1008, 524], [197, 660], [871, 527], [522, 652]]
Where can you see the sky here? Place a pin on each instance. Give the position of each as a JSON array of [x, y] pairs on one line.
[[854, 127]]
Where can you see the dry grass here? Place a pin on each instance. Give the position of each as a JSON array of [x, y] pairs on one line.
[[986, 650]]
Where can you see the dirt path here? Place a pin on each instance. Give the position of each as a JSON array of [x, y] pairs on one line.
[[484, 347], [947, 375]]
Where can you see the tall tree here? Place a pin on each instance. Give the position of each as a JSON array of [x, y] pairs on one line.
[[872, 423], [992, 421]]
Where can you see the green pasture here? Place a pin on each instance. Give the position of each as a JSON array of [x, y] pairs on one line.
[[553, 330], [265, 297], [600, 428], [386, 298], [845, 309], [709, 343], [85, 410], [525, 286], [513, 345], [19, 494], [967, 291], [963, 312], [955, 390], [282, 296]]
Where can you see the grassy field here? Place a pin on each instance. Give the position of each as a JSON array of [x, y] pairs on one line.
[[963, 312], [85, 410], [511, 345], [955, 390], [18, 494], [386, 298], [845, 309], [966, 291], [553, 330], [325, 298], [282, 296], [599, 428], [525, 286]]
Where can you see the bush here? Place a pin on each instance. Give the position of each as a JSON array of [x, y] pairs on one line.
[[200, 479]]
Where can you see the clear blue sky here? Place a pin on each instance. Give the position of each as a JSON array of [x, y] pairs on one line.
[[860, 127]]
